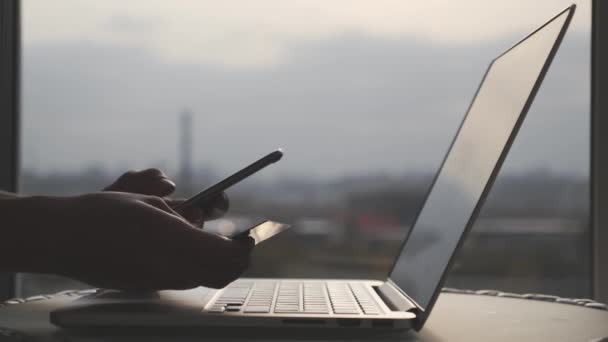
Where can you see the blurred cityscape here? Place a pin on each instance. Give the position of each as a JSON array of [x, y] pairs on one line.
[[532, 234]]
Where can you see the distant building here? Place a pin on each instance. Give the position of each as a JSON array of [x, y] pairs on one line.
[[185, 151]]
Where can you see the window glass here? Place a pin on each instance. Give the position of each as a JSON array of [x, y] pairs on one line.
[[364, 97]]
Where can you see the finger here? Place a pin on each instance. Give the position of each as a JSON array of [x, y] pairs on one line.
[[190, 213], [153, 182], [247, 241], [240, 266], [152, 173], [159, 203], [215, 261], [146, 182], [217, 207], [119, 184], [204, 247]]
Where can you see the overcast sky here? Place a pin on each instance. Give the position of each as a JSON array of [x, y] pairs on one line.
[[343, 86]]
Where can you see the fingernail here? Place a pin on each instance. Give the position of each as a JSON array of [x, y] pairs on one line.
[[170, 182]]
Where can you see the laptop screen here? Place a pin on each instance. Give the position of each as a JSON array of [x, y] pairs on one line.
[[468, 167]]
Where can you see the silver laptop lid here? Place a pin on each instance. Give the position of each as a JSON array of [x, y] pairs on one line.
[[473, 161]]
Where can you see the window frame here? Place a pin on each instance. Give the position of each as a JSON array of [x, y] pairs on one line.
[[599, 148], [9, 111]]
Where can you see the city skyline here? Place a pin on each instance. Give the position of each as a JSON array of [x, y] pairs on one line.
[[347, 101]]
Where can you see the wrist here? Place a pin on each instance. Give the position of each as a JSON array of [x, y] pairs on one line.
[[28, 226]]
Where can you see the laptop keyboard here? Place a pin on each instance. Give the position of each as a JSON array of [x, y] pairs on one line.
[[291, 297]]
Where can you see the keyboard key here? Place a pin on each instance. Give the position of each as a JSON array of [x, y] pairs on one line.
[[261, 298], [287, 307], [345, 312], [364, 299], [230, 301], [257, 309], [232, 298], [317, 311], [315, 301], [342, 299], [289, 297], [217, 309], [286, 311]]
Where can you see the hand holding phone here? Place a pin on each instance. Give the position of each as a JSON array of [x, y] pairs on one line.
[[205, 197]]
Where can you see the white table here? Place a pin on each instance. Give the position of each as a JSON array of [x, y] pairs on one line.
[[456, 317]]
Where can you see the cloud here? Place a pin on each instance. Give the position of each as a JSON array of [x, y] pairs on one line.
[[253, 34], [350, 104]]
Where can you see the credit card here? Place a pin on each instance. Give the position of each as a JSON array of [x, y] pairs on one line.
[[262, 231]]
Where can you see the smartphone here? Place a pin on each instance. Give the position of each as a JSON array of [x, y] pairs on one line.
[[261, 232], [209, 194]]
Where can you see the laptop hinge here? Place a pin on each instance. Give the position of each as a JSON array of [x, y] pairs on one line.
[[394, 299]]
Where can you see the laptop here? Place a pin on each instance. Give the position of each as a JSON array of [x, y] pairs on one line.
[[406, 297]]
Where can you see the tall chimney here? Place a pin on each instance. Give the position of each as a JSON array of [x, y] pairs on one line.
[[185, 152]]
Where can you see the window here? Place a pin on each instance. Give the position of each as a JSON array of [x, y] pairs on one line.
[[364, 96]]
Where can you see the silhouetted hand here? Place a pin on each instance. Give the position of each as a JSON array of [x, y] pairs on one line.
[[134, 242], [154, 182]]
